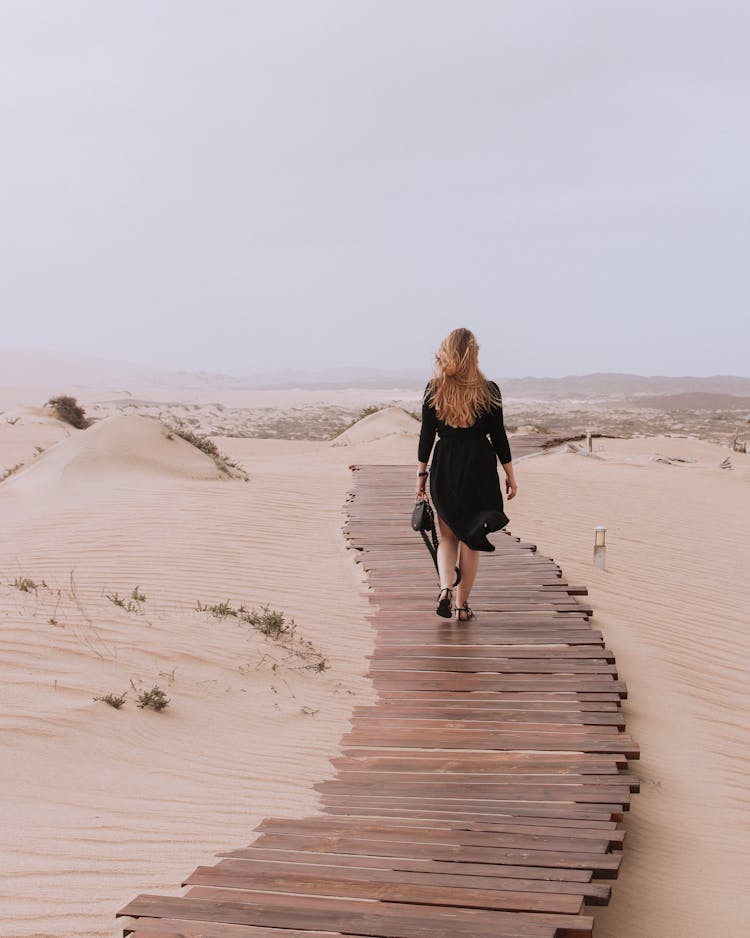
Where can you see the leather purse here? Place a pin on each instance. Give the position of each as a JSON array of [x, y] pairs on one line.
[[423, 517]]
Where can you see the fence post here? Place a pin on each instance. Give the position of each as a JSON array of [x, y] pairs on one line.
[[600, 547]]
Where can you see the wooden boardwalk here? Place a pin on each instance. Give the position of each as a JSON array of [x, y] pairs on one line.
[[478, 798]]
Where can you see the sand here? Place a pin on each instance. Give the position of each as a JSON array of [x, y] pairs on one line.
[[674, 605], [100, 804]]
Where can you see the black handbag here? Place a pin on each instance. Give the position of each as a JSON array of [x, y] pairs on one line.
[[423, 517]]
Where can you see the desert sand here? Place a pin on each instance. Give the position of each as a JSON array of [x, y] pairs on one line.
[[99, 804]]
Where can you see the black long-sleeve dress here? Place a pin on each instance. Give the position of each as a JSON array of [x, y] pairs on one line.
[[464, 482]]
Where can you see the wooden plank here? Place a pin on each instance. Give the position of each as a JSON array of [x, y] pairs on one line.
[[479, 796], [350, 916], [594, 893], [395, 889]]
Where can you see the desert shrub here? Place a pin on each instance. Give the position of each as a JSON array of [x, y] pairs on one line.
[[25, 584], [114, 700], [155, 698], [223, 462], [68, 409], [269, 621]]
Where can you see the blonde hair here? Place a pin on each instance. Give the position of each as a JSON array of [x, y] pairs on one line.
[[458, 390]]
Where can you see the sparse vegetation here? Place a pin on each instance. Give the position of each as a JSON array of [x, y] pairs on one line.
[[217, 610], [137, 598], [25, 584], [226, 465], [155, 699], [68, 409], [274, 625], [7, 473], [270, 622], [114, 700]]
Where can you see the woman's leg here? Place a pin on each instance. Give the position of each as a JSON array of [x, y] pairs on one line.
[[447, 555], [468, 564]]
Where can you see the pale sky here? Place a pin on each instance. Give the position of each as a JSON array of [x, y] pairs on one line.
[[238, 186]]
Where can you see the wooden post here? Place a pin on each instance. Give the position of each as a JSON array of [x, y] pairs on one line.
[[589, 446], [600, 547]]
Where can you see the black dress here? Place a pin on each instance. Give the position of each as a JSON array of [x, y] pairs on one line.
[[464, 482]]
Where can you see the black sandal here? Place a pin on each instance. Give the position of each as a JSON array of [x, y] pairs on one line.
[[467, 613], [444, 603]]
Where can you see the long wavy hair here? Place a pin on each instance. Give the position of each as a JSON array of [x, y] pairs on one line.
[[458, 390]]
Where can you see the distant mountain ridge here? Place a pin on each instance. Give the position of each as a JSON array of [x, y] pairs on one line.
[[604, 385], [67, 372]]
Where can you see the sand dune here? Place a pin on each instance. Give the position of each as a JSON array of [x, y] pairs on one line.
[[100, 804], [389, 422], [119, 450]]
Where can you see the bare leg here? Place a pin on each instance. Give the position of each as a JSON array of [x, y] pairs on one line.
[[447, 555], [468, 564]]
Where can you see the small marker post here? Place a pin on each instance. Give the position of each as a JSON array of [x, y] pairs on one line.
[[600, 547]]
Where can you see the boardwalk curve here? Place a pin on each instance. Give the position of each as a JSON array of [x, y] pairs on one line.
[[479, 796]]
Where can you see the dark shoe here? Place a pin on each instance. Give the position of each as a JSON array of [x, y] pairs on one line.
[[445, 601], [464, 613]]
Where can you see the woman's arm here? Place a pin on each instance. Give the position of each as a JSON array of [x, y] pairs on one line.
[[501, 445], [426, 439]]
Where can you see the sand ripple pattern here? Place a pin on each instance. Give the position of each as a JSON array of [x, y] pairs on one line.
[[99, 804], [674, 606]]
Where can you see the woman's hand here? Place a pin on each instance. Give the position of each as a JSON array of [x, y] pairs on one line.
[[510, 486], [421, 483]]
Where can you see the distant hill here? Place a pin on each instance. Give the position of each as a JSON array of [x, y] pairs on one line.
[[25, 368], [693, 400], [344, 377], [588, 387]]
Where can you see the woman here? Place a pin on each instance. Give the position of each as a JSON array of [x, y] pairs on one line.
[[464, 409]]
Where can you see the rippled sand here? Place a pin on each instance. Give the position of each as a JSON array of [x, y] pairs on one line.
[[99, 804], [674, 605]]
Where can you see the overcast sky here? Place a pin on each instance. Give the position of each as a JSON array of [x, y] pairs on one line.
[[242, 185]]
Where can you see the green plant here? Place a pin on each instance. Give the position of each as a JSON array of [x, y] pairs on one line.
[[217, 610], [25, 584], [269, 621], [114, 700], [137, 596], [155, 698], [130, 605], [68, 409], [273, 625]]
